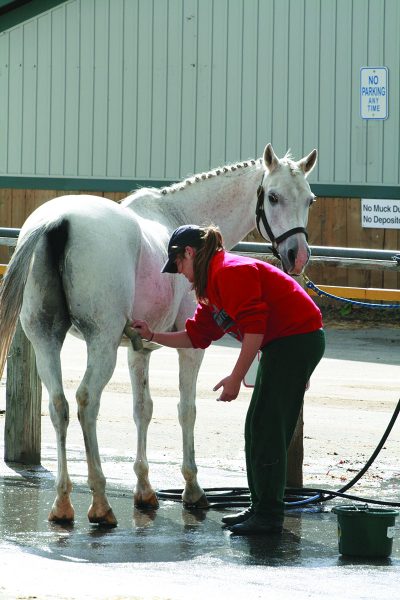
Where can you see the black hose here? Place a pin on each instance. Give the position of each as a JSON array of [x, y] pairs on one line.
[[294, 497], [325, 495]]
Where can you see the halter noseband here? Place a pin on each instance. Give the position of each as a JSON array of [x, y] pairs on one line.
[[261, 216]]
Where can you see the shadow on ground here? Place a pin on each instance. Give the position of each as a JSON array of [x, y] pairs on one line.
[[169, 534]]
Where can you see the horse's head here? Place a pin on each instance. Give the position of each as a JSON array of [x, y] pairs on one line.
[[284, 199]]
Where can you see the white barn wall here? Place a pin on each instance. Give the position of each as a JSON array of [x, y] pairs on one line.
[[158, 89]]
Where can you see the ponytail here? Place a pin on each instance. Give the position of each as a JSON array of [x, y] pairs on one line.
[[212, 242]]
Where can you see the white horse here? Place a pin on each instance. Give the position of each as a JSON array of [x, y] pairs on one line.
[[90, 265]]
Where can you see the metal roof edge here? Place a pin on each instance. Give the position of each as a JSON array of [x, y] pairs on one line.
[[115, 184], [18, 11]]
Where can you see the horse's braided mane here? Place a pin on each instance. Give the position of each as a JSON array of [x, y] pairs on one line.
[[181, 185]]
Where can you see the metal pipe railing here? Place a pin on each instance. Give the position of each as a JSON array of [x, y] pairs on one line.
[[331, 251], [9, 233]]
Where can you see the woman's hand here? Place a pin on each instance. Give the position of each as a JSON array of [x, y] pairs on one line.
[[231, 384], [231, 388], [143, 329]]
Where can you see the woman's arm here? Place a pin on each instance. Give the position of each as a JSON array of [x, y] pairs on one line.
[[250, 346], [172, 339], [231, 384]]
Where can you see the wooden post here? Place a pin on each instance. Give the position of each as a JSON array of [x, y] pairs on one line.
[[294, 476], [22, 434]]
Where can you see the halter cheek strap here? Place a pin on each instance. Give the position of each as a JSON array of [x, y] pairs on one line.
[[261, 216]]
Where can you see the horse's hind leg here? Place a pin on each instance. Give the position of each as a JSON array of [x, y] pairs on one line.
[[50, 374], [102, 355], [144, 495], [45, 321], [189, 365]]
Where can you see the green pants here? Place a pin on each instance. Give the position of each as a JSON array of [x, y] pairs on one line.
[[285, 367]]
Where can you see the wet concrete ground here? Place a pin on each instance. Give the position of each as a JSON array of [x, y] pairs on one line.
[[174, 553]]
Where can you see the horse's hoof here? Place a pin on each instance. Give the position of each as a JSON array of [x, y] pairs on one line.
[[202, 502], [106, 520], [62, 511], [146, 502]]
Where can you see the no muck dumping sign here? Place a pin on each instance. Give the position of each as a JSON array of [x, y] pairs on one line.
[[380, 213]]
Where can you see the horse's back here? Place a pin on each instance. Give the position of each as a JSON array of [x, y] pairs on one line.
[[85, 212], [107, 259], [93, 217]]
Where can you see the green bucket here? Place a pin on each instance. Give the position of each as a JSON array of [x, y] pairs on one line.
[[364, 531]]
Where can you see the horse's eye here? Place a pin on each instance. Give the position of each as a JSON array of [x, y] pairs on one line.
[[311, 201], [272, 199]]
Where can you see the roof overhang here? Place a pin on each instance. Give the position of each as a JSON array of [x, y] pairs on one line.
[[14, 12]]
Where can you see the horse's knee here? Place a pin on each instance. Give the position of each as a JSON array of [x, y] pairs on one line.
[[82, 397], [59, 409], [83, 404]]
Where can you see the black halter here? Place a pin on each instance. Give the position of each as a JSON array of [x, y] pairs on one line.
[[261, 216]]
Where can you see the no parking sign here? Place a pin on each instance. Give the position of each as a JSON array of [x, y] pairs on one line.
[[374, 93]]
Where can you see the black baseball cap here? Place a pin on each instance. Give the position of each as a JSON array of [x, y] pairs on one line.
[[186, 235]]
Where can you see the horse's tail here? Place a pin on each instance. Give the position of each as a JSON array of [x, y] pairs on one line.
[[13, 284]]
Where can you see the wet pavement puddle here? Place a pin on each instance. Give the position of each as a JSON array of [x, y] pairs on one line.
[[174, 547]]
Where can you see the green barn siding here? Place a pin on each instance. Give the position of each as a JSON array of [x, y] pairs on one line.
[[43, 98], [16, 91], [115, 89], [311, 81], [58, 91], [87, 106], [359, 57], [159, 90], [72, 76], [29, 98], [4, 109], [391, 56], [265, 59], [171, 144], [327, 85], [295, 83], [219, 78], [376, 18], [280, 77], [344, 93], [150, 89]]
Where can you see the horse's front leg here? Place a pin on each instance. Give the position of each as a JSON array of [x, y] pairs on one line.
[[101, 363], [189, 365], [138, 361]]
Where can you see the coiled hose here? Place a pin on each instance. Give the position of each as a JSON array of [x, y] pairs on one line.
[[294, 497]]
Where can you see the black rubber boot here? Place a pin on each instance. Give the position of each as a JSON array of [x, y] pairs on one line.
[[257, 525], [238, 518]]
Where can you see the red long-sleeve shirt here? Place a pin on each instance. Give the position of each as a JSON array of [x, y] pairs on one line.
[[246, 295]]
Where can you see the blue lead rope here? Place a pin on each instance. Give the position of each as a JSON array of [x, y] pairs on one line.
[[320, 293]]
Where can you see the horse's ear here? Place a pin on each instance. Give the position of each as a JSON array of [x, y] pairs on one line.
[[271, 161], [307, 163]]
